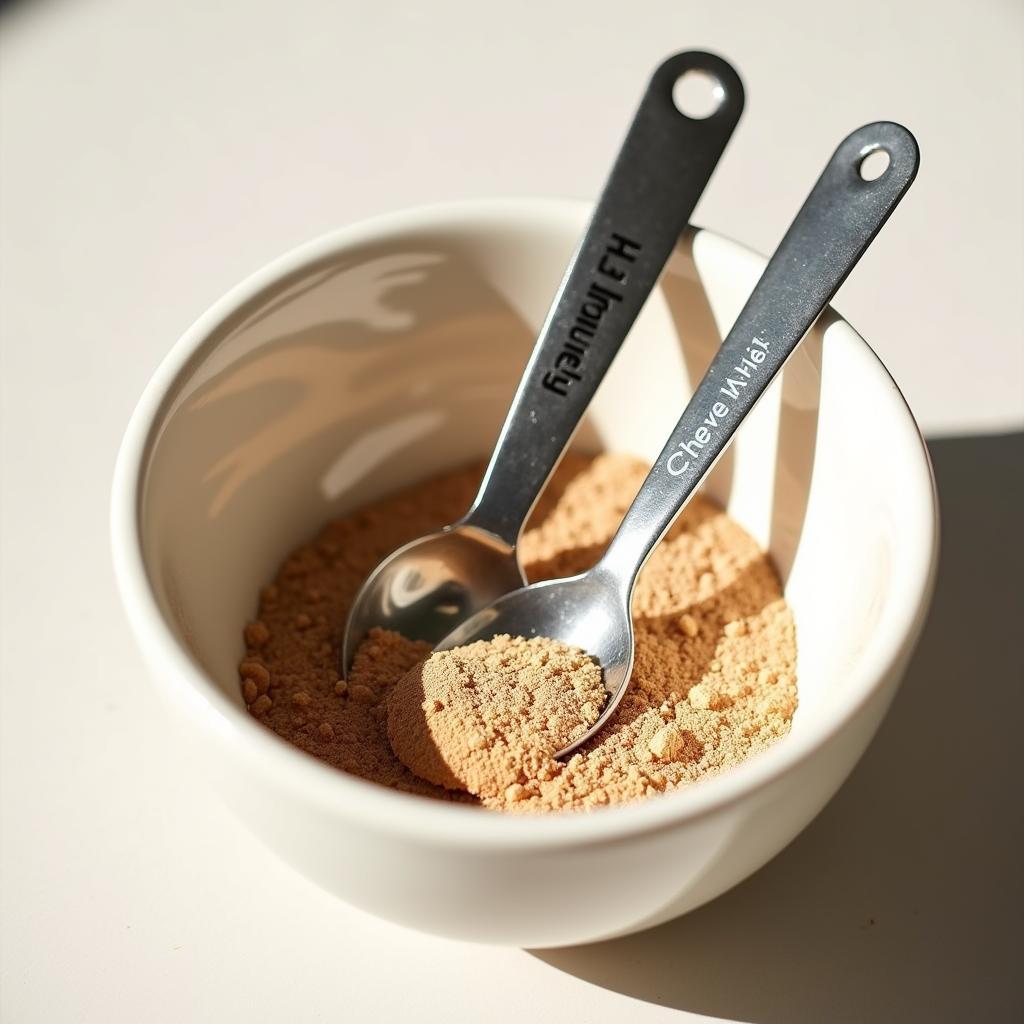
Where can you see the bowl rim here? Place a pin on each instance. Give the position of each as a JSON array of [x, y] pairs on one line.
[[439, 822]]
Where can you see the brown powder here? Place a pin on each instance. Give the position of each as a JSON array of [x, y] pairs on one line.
[[489, 715], [714, 676]]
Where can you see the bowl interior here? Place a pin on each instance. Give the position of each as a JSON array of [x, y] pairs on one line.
[[370, 362]]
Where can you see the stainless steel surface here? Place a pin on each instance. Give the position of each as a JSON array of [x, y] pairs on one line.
[[428, 586], [834, 227]]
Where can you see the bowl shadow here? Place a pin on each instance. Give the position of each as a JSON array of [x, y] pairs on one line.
[[700, 339], [903, 900]]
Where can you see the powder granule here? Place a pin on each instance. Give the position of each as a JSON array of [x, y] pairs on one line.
[[722, 694], [491, 715]]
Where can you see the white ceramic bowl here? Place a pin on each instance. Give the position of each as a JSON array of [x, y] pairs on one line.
[[388, 351]]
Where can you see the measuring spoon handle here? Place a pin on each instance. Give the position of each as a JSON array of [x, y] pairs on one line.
[[662, 168], [831, 232]]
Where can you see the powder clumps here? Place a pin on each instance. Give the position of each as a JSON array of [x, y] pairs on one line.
[[714, 678], [491, 715]]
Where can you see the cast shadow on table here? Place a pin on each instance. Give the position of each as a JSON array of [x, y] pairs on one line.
[[903, 900]]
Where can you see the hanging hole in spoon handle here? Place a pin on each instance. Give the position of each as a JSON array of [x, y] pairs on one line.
[[836, 224], [662, 168]]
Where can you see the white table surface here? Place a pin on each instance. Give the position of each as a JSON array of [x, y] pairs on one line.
[[152, 154]]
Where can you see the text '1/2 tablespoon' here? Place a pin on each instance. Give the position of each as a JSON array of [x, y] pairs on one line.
[[425, 588], [834, 227]]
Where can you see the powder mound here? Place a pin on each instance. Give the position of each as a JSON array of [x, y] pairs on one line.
[[715, 676], [488, 717]]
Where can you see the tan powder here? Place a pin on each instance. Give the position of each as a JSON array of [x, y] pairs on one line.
[[488, 716], [713, 681]]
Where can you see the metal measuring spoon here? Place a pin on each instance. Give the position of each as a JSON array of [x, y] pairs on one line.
[[425, 588], [834, 227]]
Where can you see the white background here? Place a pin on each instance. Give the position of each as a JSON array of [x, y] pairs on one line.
[[153, 154]]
